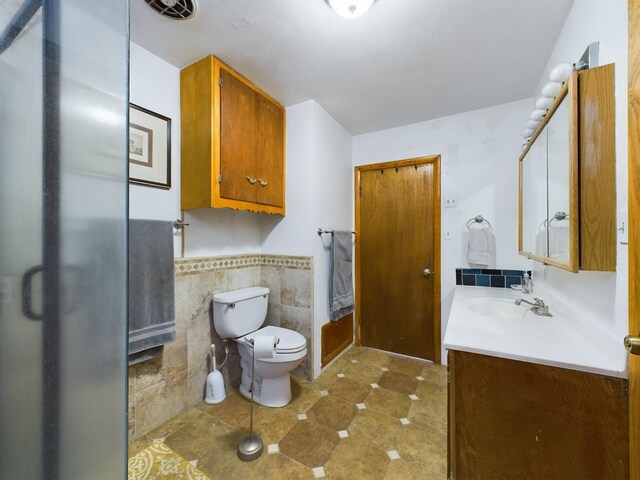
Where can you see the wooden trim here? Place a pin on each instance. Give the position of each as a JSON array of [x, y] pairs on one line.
[[569, 89], [520, 199], [437, 261], [451, 414], [330, 333], [435, 160], [552, 109], [574, 175], [356, 190], [634, 232]]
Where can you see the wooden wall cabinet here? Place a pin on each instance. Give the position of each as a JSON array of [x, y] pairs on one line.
[[512, 419], [233, 141]]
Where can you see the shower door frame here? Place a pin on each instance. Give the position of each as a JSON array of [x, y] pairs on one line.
[[50, 268]]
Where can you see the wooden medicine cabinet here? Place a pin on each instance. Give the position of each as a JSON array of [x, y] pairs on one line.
[[233, 141], [567, 191]]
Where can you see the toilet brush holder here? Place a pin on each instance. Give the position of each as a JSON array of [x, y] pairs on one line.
[[214, 387]]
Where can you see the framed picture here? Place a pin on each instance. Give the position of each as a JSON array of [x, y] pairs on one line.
[[149, 148]]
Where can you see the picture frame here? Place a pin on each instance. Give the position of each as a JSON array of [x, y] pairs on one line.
[[149, 148]]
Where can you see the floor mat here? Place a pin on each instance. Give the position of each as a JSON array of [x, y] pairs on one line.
[[158, 461]]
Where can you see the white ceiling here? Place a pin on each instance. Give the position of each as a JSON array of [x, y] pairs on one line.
[[403, 61]]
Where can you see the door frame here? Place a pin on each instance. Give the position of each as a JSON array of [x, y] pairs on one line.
[[435, 161], [634, 232]]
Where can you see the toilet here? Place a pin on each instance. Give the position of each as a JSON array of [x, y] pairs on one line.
[[238, 315]]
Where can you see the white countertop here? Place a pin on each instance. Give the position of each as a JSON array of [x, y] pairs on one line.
[[566, 340]]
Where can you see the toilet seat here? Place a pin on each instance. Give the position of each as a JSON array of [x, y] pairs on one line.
[[290, 341]]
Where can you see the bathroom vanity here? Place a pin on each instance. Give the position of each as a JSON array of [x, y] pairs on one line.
[[533, 396]]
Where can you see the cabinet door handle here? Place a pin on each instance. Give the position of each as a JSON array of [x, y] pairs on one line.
[[252, 181], [263, 183]]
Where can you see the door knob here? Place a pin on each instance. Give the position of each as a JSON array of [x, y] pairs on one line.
[[426, 272], [632, 344]]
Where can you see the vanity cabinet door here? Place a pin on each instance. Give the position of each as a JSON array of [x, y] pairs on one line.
[[514, 419]]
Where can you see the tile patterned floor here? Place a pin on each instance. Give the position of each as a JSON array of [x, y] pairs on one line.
[[368, 416]]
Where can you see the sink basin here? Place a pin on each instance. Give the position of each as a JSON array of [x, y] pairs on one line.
[[496, 308]]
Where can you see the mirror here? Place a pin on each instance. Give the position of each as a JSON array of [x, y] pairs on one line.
[[548, 186]]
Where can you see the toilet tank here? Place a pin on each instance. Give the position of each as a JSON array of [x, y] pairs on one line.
[[240, 312]]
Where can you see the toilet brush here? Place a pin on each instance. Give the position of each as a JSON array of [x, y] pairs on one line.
[[250, 448], [215, 392]]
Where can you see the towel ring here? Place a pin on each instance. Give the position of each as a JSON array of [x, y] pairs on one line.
[[558, 217], [479, 219]]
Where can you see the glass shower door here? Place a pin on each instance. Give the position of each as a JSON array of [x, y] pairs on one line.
[[63, 250]]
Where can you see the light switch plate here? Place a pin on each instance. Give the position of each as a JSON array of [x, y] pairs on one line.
[[451, 201], [448, 235]]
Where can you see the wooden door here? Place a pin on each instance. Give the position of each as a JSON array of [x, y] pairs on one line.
[[398, 230], [237, 139], [270, 152], [634, 232]]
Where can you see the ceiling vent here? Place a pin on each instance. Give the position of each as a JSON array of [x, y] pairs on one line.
[[174, 9]]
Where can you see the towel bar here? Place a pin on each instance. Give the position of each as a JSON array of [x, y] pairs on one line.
[[320, 232]]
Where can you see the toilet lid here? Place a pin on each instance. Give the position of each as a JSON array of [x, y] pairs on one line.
[[290, 341]]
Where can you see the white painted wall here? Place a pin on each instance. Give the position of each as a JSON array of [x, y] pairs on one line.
[[602, 296], [319, 187], [155, 85], [319, 194], [479, 152]]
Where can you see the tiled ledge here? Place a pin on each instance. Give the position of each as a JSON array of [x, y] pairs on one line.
[[191, 266], [484, 277]]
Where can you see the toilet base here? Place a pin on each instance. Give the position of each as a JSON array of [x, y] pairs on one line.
[[274, 392]]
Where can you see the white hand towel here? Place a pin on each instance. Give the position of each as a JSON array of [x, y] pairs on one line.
[[559, 241], [481, 249]]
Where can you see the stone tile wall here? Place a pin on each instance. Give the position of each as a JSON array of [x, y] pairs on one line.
[[169, 384]]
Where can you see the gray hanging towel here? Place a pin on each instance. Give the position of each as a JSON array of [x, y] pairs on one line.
[[152, 320], [341, 287]]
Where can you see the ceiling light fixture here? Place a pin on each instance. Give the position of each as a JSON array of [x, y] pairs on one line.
[[350, 8]]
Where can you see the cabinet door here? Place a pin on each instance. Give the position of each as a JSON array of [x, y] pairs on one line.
[[270, 152], [237, 139]]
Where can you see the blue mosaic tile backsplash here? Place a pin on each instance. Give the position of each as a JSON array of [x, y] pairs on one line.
[[483, 277]]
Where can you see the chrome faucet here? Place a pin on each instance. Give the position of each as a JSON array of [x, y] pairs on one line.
[[539, 307]]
